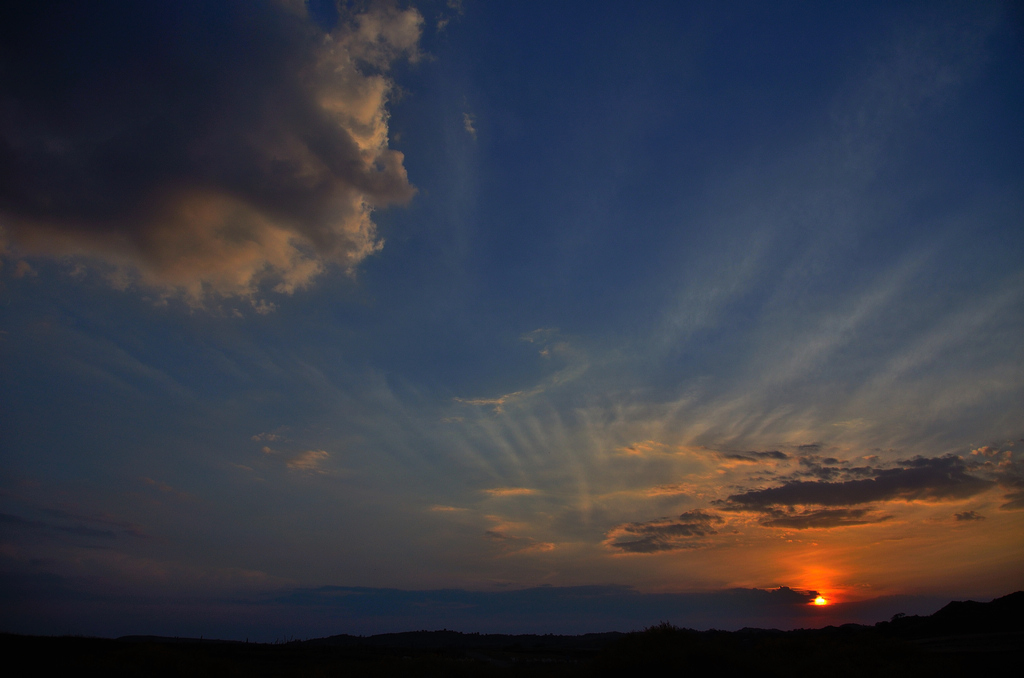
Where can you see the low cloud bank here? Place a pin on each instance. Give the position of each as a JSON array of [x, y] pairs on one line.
[[49, 604]]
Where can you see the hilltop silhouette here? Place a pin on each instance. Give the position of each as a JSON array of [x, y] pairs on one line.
[[962, 638]]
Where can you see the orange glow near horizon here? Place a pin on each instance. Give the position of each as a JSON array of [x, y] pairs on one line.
[[820, 601]]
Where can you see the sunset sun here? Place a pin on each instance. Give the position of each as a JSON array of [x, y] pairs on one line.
[[820, 601]]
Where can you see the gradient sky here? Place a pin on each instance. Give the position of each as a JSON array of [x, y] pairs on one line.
[[660, 299]]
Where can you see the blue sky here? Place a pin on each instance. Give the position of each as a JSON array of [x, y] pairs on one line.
[[486, 297]]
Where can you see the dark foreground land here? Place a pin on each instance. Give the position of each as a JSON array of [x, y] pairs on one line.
[[961, 639]]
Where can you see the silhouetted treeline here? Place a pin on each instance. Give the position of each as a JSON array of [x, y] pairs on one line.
[[963, 638]]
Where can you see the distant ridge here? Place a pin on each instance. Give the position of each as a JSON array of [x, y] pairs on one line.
[[435, 640], [1004, 614], [962, 638]]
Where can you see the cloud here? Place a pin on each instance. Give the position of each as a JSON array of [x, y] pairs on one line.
[[646, 448], [936, 479], [754, 457], [670, 490], [164, 488], [498, 403], [514, 544], [968, 516], [510, 491], [16, 523], [307, 461], [822, 518], [664, 534], [70, 526], [271, 437], [202, 147], [771, 454], [23, 269], [1005, 463], [1015, 498], [467, 124]]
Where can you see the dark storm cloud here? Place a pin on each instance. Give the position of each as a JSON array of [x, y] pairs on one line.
[[198, 145], [936, 479], [664, 534]]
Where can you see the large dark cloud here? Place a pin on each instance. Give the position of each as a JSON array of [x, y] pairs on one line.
[[935, 479], [198, 145], [664, 534]]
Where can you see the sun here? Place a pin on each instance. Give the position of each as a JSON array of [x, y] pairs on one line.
[[820, 601]]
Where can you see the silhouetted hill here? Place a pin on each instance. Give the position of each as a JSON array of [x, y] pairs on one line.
[[1002, 615], [963, 638], [454, 640]]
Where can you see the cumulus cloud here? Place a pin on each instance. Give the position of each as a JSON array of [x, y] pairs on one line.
[[664, 534], [203, 147]]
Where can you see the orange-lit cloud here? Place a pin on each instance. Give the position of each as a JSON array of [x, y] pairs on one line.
[[518, 545], [510, 491], [644, 448], [671, 490], [307, 461]]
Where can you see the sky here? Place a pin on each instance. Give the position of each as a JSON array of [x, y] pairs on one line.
[[357, 317]]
